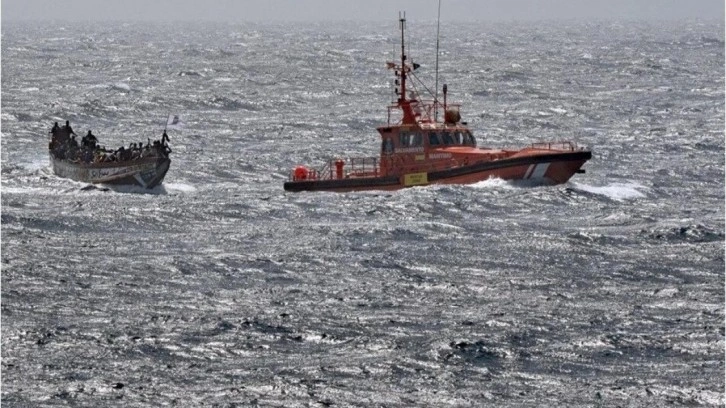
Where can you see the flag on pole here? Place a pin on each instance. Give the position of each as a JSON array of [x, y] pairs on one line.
[[174, 122]]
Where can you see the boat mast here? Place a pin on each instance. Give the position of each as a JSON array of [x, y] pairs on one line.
[[408, 116], [402, 95]]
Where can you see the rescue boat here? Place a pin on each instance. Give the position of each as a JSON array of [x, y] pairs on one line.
[[418, 149]]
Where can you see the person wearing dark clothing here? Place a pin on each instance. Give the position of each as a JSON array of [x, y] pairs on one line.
[[91, 139], [73, 141], [69, 128], [53, 136], [164, 138], [123, 154]]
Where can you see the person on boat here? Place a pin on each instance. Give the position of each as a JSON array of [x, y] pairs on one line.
[[73, 143], [53, 137], [120, 154], [69, 128], [161, 149], [164, 138], [91, 139]]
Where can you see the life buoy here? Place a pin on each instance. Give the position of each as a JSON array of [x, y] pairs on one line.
[[301, 173]]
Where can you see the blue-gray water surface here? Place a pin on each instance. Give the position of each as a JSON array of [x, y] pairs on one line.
[[219, 289]]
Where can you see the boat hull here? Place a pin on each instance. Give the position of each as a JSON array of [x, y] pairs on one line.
[[546, 169], [146, 173]]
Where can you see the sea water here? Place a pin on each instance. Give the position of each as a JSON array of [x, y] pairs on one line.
[[218, 288]]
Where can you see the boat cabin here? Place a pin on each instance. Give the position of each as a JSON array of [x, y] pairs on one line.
[[422, 147]]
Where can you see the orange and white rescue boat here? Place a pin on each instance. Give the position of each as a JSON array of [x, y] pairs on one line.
[[419, 150]]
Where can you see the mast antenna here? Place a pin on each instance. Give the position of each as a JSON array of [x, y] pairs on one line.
[[402, 21], [436, 87]]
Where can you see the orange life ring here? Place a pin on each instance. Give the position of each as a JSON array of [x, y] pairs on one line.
[[301, 173]]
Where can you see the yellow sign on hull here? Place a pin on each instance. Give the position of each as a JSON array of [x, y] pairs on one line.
[[415, 179]]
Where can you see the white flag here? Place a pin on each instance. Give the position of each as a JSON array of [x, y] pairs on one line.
[[174, 122]]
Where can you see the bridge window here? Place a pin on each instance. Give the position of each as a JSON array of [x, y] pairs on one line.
[[387, 145], [417, 139], [448, 140], [434, 139], [413, 139], [469, 139], [458, 138]]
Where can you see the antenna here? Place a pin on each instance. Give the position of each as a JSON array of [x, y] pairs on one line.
[[436, 87], [402, 94]]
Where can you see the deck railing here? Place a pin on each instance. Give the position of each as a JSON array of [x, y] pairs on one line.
[[564, 145], [352, 167], [425, 110]]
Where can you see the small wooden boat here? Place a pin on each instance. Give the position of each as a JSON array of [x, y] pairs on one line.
[[143, 166], [418, 149]]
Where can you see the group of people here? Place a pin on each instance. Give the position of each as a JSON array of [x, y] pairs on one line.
[[64, 145]]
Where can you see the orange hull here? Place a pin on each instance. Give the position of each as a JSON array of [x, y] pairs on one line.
[[543, 169]]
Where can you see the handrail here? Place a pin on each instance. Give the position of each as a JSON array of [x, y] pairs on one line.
[[563, 145], [425, 109], [352, 167]]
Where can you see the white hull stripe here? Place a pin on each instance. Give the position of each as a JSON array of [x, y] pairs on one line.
[[529, 171], [538, 172]]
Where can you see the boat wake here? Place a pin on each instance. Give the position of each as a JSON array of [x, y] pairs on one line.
[[614, 191], [499, 184], [162, 189], [128, 189], [180, 187]]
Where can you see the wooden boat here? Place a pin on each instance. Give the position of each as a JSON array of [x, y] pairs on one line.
[[145, 166], [418, 149]]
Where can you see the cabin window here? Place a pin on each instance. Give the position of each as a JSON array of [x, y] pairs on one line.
[[403, 139], [458, 138], [387, 145], [469, 139], [434, 139], [406, 139], [417, 139], [448, 140]]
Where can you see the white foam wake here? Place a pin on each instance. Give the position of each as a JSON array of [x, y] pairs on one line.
[[615, 191]]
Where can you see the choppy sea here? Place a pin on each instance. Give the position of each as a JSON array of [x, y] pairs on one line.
[[219, 289]]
